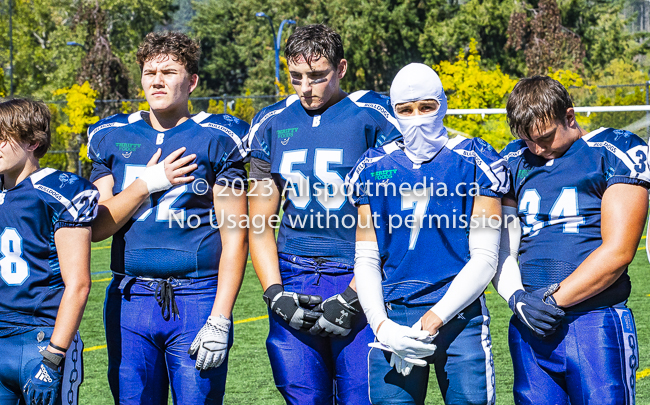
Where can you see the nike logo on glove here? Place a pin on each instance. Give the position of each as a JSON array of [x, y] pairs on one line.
[[521, 313]]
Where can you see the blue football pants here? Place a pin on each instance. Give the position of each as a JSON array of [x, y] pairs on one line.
[[147, 354], [22, 352], [462, 361], [591, 359], [314, 370]]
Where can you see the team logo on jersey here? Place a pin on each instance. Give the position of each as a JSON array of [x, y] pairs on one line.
[[67, 179], [523, 173], [482, 145], [127, 148], [285, 134], [383, 174], [231, 120], [609, 173], [621, 133]]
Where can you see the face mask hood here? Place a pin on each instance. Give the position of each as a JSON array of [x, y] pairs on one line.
[[424, 135]]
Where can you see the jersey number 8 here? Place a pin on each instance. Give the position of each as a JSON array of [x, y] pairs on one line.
[[13, 268]]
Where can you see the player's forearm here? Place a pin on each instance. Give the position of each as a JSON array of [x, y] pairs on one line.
[[263, 246], [116, 211], [73, 246], [264, 255], [231, 276], [624, 208], [599, 271], [70, 313], [507, 279]]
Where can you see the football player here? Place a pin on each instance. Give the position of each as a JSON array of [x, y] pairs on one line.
[[427, 246], [45, 218], [303, 146], [167, 318], [581, 199]]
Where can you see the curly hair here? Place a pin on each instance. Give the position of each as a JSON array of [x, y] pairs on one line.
[[26, 121], [179, 46]]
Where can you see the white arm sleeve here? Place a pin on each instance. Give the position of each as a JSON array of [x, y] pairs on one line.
[[470, 282], [508, 277], [367, 274]]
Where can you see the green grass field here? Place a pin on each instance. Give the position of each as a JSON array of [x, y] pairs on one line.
[[249, 376]]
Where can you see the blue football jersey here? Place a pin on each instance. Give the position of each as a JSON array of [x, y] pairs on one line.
[[30, 214], [175, 233], [559, 205], [310, 156], [422, 213]]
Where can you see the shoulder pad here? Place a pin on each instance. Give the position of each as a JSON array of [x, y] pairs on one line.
[[69, 190], [114, 121], [268, 113], [369, 158], [374, 104], [514, 149], [229, 125]]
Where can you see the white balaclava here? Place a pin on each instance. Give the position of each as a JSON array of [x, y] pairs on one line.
[[424, 135]]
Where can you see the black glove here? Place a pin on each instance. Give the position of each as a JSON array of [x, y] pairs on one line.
[[339, 313], [537, 310], [293, 307], [44, 384]]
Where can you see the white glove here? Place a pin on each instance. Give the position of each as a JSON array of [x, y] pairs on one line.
[[211, 342], [155, 178], [406, 342], [405, 365]]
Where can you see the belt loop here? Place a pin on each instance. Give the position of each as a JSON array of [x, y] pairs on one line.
[[126, 281]]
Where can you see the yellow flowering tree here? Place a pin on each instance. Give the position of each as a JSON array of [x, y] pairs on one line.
[[468, 85], [79, 110], [243, 108], [284, 89]]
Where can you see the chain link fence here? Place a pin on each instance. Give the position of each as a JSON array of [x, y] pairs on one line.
[[246, 106]]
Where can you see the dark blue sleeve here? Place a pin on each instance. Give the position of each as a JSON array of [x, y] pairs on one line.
[[492, 170], [627, 157], [356, 180], [73, 199], [259, 136], [97, 155], [511, 153], [231, 170]]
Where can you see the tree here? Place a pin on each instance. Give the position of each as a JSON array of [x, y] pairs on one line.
[[79, 109], [101, 67], [468, 85], [545, 41], [450, 25]]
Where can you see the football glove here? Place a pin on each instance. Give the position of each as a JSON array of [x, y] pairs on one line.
[[293, 307], [537, 310], [211, 343], [44, 384], [339, 313], [412, 343], [405, 365]]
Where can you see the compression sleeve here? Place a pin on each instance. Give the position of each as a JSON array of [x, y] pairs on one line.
[[471, 281], [508, 277], [367, 273], [260, 169]]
